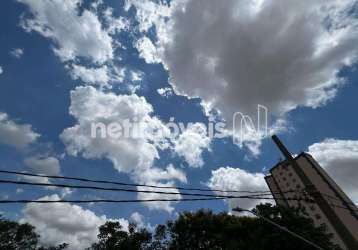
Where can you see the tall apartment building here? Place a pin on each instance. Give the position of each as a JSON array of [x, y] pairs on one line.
[[302, 182]]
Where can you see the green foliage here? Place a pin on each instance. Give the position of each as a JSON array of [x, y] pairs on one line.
[[16, 236], [112, 237], [192, 230], [206, 230]]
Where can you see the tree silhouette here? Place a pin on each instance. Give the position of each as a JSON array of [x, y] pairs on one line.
[[16, 236], [202, 229], [206, 230], [112, 237]]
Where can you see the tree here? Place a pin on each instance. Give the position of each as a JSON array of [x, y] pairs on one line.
[[113, 237], [205, 230], [16, 236]]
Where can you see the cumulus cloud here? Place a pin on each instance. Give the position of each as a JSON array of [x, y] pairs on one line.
[[115, 24], [150, 14], [160, 205], [43, 165], [131, 153], [57, 223], [166, 92], [340, 159], [228, 178], [98, 76], [191, 143], [138, 219], [75, 33], [17, 52], [147, 50], [281, 54], [14, 134]]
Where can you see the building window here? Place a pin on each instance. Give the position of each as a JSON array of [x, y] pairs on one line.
[[290, 174], [318, 216], [293, 180], [298, 186]]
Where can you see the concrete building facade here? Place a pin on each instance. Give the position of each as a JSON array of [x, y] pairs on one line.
[[302, 182]]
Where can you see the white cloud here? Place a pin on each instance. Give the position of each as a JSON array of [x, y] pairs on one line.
[[98, 76], [134, 155], [1, 70], [115, 25], [228, 178], [17, 52], [153, 14], [44, 165], [150, 13], [191, 143], [136, 76], [147, 50], [75, 34], [57, 223], [166, 92], [138, 219], [237, 54], [14, 134], [340, 159], [160, 205]]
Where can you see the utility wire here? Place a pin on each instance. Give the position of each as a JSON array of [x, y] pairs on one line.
[[124, 189], [128, 184], [107, 200], [253, 196], [280, 227], [256, 194]]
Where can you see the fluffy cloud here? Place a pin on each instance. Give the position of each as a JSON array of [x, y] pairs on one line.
[[75, 34], [130, 152], [228, 178], [44, 165], [98, 76], [138, 219], [340, 159], [150, 13], [166, 92], [147, 50], [17, 52], [14, 134], [191, 143], [281, 54], [115, 25], [57, 223], [1, 70]]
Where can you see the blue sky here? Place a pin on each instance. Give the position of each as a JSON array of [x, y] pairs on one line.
[[315, 98]]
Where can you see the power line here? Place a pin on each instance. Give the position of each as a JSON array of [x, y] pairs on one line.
[[124, 189], [253, 196], [128, 184], [108, 200], [280, 227], [211, 196]]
